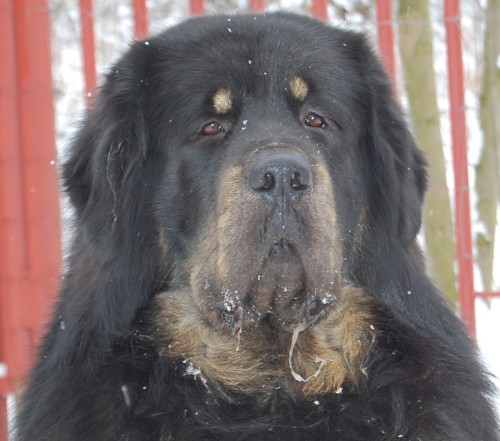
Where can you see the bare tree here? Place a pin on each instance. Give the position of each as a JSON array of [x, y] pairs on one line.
[[417, 55], [487, 170]]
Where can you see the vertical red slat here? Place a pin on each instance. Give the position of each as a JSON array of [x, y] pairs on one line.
[[4, 426], [39, 180], [88, 49], [196, 7], [29, 208], [459, 139], [140, 18], [256, 5], [12, 244], [12, 233], [386, 35], [319, 9]]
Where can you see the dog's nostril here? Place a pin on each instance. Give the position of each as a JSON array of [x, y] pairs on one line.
[[262, 181], [296, 182], [269, 182]]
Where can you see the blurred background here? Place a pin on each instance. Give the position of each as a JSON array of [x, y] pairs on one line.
[[443, 57]]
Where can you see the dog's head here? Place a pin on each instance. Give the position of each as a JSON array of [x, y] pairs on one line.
[[259, 161]]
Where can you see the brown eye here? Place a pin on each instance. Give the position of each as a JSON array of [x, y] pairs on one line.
[[314, 120], [212, 128]]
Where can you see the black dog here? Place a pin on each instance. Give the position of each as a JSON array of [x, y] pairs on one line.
[[244, 264]]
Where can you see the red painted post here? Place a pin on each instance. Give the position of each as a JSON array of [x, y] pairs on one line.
[[140, 18], [385, 33], [88, 49], [4, 424], [12, 243], [29, 208], [256, 5], [40, 276], [196, 7], [459, 139], [319, 9]]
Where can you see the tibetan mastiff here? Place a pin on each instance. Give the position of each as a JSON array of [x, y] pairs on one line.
[[244, 264]]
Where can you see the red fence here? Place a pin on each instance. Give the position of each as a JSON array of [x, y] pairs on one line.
[[29, 208]]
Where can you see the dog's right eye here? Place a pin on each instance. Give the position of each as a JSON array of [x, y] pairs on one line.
[[212, 128], [315, 121]]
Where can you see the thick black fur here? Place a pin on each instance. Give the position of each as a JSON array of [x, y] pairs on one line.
[[142, 180]]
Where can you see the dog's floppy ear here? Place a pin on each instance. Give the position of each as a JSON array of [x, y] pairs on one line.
[[109, 177], [112, 134], [397, 165], [388, 261]]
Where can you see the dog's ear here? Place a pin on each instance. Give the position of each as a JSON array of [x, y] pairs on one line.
[[109, 177], [389, 263], [397, 165], [112, 136]]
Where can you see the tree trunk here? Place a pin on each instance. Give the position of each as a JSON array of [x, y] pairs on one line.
[[415, 44], [487, 170]]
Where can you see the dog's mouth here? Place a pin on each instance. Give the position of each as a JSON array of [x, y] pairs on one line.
[[282, 269], [278, 294], [280, 281]]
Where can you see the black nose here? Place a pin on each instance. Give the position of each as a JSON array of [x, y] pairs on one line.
[[281, 176]]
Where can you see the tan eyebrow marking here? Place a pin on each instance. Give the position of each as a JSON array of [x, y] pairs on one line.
[[299, 88], [223, 101]]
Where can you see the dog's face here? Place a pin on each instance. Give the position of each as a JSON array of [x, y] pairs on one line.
[[264, 174], [265, 186], [258, 164]]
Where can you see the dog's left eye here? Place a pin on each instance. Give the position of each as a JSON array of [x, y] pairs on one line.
[[315, 120], [212, 128]]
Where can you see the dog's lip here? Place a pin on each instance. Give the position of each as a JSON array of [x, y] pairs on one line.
[[282, 249], [281, 256]]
